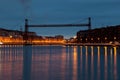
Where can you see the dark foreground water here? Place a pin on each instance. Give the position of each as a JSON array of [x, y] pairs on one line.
[[59, 63]]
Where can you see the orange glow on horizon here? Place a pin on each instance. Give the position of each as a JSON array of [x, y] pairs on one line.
[[12, 40]]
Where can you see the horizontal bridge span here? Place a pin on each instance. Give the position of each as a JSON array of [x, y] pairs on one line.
[[59, 25], [27, 26]]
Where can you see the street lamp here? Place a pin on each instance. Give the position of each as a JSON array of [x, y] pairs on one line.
[[105, 38], [86, 39], [114, 38], [98, 38]]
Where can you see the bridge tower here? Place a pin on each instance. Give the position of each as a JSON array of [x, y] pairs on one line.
[[25, 37], [89, 23]]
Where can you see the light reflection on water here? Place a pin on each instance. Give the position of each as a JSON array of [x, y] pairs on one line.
[[59, 62], [98, 63]]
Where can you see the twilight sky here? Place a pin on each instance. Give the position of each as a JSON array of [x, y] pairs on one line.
[[102, 12]]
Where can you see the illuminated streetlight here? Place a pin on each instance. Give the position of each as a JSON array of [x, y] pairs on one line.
[[98, 38], [91, 38], [105, 38], [10, 36], [114, 38], [75, 37]]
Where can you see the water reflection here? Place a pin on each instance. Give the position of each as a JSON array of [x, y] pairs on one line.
[[63, 63], [27, 58], [111, 61], [92, 62], [10, 62], [81, 61], [115, 63], [75, 63], [86, 62], [106, 64], [104, 56], [98, 64], [59, 62]]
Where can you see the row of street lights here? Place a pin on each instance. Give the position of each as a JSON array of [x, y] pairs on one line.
[[94, 40]]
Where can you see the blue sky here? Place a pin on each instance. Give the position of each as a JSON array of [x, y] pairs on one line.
[[103, 13]]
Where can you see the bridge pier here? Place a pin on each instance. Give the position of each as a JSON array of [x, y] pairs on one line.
[[89, 23]]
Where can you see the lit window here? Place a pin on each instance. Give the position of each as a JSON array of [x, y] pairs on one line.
[[105, 38], [10, 36], [98, 38], [114, 37], [91, 38]]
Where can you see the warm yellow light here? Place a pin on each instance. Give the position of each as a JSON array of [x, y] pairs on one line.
[[105, 38], [75, 37], [114, 37], [91, 38], [105, 49], [1, 43], [110, 42], [10, 36], [115, 50], [98, 38]]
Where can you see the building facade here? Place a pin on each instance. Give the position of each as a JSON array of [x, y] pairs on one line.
[[19, 37], [100, 35]]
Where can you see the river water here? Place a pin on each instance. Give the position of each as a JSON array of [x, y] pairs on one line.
[[18, 62]]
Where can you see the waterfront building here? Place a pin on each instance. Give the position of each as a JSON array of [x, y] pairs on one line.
[[14, 33], [59, 37], [17, 37], [109, 34]]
